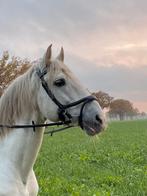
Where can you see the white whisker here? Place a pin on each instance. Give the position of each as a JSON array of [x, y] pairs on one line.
[[94, 144]]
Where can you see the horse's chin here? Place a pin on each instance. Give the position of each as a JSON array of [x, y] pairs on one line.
[[92, 130]]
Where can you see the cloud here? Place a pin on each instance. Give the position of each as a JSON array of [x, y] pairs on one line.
[[105, 41], [92, 25], [131, 55], [118, 80]]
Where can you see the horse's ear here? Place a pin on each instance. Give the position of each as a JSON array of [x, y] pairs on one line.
[[60, 57], [48, 55]]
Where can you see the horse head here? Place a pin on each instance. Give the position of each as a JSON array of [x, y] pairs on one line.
[[61, 97]]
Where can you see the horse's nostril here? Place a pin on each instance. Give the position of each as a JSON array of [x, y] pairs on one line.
[[98, 119]]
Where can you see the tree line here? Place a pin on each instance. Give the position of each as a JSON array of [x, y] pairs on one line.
[[12, 67]]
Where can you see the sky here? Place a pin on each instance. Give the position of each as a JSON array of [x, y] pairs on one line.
[[104, 41]]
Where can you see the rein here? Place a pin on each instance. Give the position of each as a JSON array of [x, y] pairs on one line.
[[34, 126]]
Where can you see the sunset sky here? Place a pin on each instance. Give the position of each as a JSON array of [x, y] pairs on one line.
[[105, 42]]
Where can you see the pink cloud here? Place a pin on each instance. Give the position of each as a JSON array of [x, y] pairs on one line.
[[142, 106]]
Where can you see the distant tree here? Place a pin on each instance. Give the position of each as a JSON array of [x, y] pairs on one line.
[[136, 111], [143, 114], [122, 107], [10, 68], [103, 98]]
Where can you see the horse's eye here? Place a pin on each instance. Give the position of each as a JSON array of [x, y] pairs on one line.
[[60, 82]]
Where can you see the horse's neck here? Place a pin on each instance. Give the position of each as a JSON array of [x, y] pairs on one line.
[[19, 150]]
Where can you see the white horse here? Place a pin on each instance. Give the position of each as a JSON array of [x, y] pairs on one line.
[[37, 95]]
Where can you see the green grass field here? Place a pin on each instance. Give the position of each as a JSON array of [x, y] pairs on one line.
[[114, 163]]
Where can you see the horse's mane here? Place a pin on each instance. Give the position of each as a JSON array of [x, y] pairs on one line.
[[15, 100]]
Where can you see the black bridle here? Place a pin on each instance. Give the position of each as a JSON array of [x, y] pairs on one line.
[[64, 116]]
